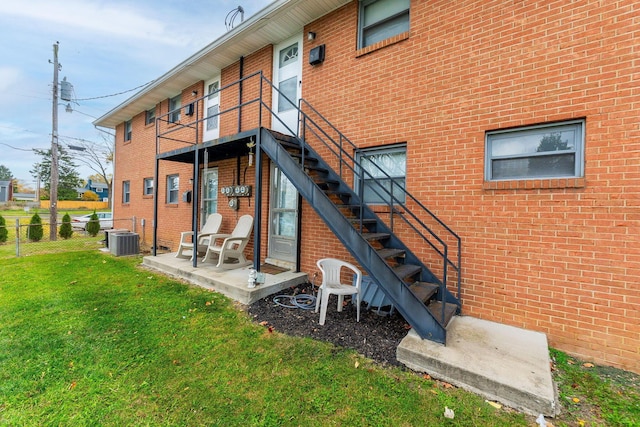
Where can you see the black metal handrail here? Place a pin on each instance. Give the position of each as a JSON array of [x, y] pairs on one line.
[[393, 203], [346, 153]]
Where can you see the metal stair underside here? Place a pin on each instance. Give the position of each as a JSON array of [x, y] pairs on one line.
[[411, 287]]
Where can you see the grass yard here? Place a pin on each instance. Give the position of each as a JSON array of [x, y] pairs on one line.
[[89, 339]]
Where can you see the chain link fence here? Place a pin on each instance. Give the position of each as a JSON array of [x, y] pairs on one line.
[[24, 239]]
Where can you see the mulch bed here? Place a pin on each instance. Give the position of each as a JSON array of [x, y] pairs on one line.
[[375, 336]]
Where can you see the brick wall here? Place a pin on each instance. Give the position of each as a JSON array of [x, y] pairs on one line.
[[557, 256]]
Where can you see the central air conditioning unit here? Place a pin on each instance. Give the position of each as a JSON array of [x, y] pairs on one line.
[[123, 243]]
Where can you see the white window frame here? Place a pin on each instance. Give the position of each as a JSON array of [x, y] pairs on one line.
[[150, 116], [173, 190], [126, 191], [516, 145], [147, 187], [400, 181], [175, 105], [387, 17], [128, 125]]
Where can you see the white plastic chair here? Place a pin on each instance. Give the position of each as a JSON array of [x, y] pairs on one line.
[[331, 269], [232, 246], [211, 226]]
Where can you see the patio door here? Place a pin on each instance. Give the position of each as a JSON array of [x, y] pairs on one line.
[[283, 213], [209, 194], [287, 63]]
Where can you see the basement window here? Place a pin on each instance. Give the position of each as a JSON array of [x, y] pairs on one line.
[[552, 150]]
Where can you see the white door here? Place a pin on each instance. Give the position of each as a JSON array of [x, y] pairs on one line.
[[211, 109], [209, 194], [283, 225], [287, 74]]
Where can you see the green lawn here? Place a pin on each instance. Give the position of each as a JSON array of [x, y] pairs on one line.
[[89, 339]]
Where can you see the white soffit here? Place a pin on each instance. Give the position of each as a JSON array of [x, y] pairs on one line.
[[277, 22]]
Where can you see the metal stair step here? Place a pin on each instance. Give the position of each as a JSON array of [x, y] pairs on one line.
[[435, 307], [406, 270], [376, 236], [423, 290], [391, 253]]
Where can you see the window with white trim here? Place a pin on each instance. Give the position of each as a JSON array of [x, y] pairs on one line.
[[173, 185], [150, 116], [147, 188], [553, 150], [384, 172], [126, 191], [175, 104], [127, 130], [381, 19]]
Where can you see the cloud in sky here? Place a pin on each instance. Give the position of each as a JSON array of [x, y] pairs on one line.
[[106, 47]]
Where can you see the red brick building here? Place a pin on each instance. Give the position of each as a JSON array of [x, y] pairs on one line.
[[514, 123]]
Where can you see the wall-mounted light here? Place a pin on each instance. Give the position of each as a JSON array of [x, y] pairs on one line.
[[311, 36], [316, 55], [194, 92]]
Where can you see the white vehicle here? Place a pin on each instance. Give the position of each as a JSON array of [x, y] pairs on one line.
[[80, 222]]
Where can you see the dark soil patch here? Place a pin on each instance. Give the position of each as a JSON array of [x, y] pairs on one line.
[[375, 336]]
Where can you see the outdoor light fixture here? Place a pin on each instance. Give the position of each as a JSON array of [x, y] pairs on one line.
[[311, 36], [194, 92], [316, 55]]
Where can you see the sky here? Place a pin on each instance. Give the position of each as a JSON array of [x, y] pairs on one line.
[[106, 47]]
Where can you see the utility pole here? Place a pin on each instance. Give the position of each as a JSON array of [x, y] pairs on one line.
[[53, 191]]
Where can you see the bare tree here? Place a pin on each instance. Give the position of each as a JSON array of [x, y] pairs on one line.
[[98, 156]]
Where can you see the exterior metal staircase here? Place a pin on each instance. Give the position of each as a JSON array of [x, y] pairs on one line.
[[420, 295]]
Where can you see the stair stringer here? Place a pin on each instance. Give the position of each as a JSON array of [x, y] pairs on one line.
[[404, 300]]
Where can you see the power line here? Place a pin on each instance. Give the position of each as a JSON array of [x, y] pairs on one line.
[[114, 94]]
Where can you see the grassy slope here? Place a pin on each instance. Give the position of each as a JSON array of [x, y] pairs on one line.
[[89, 339]]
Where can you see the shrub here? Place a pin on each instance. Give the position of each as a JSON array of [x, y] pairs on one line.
[[90, 196], [93, 226], [35, 231], [65, 229], [3, 230]]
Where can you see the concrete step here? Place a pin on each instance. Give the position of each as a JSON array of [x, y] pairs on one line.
[[499, 362]]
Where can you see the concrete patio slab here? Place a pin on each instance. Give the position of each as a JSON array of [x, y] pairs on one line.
[[499, 362], [232, 283]]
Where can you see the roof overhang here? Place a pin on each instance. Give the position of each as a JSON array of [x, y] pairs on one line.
[[275, 23]]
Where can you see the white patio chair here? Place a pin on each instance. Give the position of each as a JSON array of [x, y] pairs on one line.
[[232, 246], [211, 226], [331, 269]]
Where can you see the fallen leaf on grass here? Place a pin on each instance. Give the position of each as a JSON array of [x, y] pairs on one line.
[[73, 385], [588, 365], [581, 423], [270, 329], [426, 376], [446, 385], [570, 362], [207, 303], [357, 364], [175, 362], [264, 323], [448, 413], [494, 404], [575, 400], [73, 282]]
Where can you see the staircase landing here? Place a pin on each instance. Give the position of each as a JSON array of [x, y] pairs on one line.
[[499, 362]]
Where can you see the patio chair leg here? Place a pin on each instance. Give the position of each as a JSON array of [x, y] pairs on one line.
[[323, 307]]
